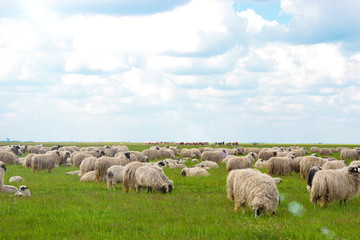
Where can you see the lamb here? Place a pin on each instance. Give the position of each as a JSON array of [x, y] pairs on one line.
[[23, 192], [334, 164], [335, 185], [207, 164], [312, 172], [194, 172], [281, 165], [350, 154], [88, 177], [325, 151], [2, 173], [16, 179], [45, 161], [240, 162], [266, 154], [87, 165], [214, 156], [129, 175], [253, 188], [308, 162], [150, 177], [102, 164], [8, 157], [115, 174]]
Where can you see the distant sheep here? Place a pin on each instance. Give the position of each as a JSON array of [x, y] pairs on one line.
[[150, 153], [33, 149], [149, 177], [240, 162], [45, 161], [187, 153], [254, 189], [335, 185], [194, 172], [308, 162], [315, 150], [248, 150], [266, 154], [325, 151], [350, 154], [214, 156], [207, 164], [334, 164], [280, 165], [8, 157], [115, 174]]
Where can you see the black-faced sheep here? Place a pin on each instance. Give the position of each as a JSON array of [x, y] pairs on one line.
[[254, 189], [335, 185], [312, 172]]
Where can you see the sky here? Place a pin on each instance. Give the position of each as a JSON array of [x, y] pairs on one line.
[[269, 71]]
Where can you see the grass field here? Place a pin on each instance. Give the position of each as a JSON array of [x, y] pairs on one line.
[[62, 207]]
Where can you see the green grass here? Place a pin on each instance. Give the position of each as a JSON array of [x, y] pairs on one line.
[[62, 207]]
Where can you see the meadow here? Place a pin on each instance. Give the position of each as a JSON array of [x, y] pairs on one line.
[[62, 207]]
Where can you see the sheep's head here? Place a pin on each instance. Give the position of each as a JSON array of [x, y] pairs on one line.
[[274, 153], [164, 188], [170, 186], [157, 148], [127, 155], [3, 166], [183, 172], [58, 153], [354, 170], [23, 188]]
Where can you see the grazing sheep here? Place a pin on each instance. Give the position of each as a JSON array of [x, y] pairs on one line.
[[312, 172], [140, 157], [115, 174], [78, 157], [253, 188], [8, 157], [296, 164], [64, 155], [334, 164], [129, 175], [315, 150], [9, 189], [33, 149], [24, 148], [28, 160], [281, 165], [266, 154], [150, 153], [350, 154], [308, 162], [194, 172], [335, 185], [73, 172], [261, 164], [299, 152], [45, 161], [187, 153], [131, 157], [44, 150], [87, 165], [165, 153], [277, 180], [88, 177], [175, 150], [325, 151], [110, 152], [196, 152], [150, 177], [207, 164], [102, 164], [214, 156], [2, 173], [23, 192], [16, 179], [240, 162]]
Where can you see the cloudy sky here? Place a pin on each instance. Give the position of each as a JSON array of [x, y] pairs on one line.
[[271, 71]]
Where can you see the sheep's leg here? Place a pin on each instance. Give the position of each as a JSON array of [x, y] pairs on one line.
[[322, 202], [243, 208], [237, 206]]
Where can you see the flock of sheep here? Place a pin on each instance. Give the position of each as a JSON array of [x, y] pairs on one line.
[[329, 179]]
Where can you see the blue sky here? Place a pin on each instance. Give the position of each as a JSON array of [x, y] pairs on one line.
[[186, 70]]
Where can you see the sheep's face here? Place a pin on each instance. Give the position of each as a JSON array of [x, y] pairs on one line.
[[171, 186], [58, 153], [183, 172], [354, 170], [127, 155], [23, 188], [3, 166], [164, 188]]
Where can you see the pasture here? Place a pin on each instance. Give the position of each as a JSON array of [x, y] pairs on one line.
[[62, 207]]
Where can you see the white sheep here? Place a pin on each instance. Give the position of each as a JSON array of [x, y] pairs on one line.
[[45, 161], [115, 174], [16, 179], [8, 157], [207, 164], [149, 177], [240, 162], [23, 192], [194, 172]]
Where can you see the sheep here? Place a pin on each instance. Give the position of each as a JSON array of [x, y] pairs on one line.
[[73, 172], [140, 157], [334, 164], [261, 164], [214, 156], [16, 179], [64, 155], [115, 174], [110, 152], [28, 160], [281, 165], [308, 162], [255, 150], [127, 155], [196, 152], [335, 185], [45, 161], [24, 148], [296, 164], [207, 164], [87, 165], [129, 175], [354, 164], [312, 172], [102, 164], [253, 188], [165, 153], [9, 189], [315, 150], [349, 154], [187, 153], [23, 192], [88, 177], [78, 157], [2, 173], [299, 152], [277, 180], [150, 177], [8, 157], [240, 162], [194, 172], [325, 151], [176, 165], [266, 154], [44, 150], [150, 153], [175, 150], [33, 149]]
